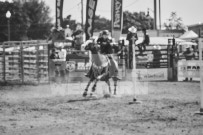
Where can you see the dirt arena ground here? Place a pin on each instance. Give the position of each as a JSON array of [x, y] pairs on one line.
[[168, 109]]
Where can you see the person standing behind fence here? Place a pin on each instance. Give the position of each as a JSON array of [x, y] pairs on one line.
[[145, 42], [157, 56], [78, 37], [131, 34], [68, 31], [189, 55]]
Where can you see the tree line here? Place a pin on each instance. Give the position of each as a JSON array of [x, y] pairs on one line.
[[30, 20]]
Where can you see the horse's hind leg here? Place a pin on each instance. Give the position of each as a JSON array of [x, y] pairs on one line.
[[109, 85], [86, 89]]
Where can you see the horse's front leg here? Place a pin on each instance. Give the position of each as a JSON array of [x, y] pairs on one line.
[[115, 86], [86, 89], [94, 86]]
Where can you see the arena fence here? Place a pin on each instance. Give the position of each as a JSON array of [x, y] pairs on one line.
[[24, 62]]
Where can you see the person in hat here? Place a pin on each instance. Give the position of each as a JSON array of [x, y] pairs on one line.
[[78, 37], [68, 31], [145, 42], [189, 55], [132, 35], [107, 49], [132, 32]]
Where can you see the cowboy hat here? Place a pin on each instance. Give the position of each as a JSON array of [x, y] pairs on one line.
[[132, 29]]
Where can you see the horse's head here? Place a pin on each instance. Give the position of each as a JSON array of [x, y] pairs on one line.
[[93, 47]]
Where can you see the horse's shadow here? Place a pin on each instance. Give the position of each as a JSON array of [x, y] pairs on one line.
[[83, 100]]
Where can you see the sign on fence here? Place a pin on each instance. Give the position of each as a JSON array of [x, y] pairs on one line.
[[189, 69]]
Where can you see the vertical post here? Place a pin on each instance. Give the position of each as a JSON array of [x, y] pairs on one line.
[[159, 14], [201, 73], [82, 13], [22, 62], [155, 15], [4, 63], [9, 38]]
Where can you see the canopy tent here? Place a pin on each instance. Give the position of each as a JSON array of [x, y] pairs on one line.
[[189, 35]]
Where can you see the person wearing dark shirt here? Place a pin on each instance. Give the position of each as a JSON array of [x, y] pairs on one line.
[[54, 55], [145, 42], [107, 49], [157, 56]]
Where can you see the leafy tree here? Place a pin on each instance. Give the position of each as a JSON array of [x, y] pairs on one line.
[[139, 20], [19, 21], [174, 22], [68, 21], [40, 22], [101, 23]]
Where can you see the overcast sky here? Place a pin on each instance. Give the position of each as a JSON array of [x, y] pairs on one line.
[[191, 11]]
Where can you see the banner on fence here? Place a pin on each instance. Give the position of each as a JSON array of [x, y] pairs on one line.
[[59, 13], [90, 14], [189, 69]]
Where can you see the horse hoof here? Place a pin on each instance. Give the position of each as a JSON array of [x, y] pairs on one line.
[[92, 95], [84, 94]]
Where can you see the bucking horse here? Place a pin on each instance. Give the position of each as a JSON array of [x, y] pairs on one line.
[[101, 69]]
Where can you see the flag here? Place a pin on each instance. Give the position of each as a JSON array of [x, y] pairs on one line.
[[59, 13], [90, 15]]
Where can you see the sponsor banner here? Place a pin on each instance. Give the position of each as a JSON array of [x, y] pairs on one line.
[[189, 69], [117, 14], [90, 14], [117, 18], [59, 13], [148, 74]]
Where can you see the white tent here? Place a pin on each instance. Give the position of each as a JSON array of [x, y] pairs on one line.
[[189, 35]]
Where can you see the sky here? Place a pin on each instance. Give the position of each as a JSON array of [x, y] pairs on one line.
[[189, 10]]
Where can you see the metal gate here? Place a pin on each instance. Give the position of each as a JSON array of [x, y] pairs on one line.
[[24, 62]]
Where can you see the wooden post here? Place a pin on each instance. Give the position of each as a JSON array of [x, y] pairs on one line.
[[201, 76], [201, 73]]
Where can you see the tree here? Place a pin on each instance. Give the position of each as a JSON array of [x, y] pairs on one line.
[[68, 21], [19, 21], [40, 22], [139, 20], [174, 22], [101, 23]]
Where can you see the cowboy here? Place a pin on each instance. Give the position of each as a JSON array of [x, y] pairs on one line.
[[107, 49], [132, 34], [68, 31], [145, 41]]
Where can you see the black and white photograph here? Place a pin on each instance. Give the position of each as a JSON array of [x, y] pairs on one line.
[[101, 67]]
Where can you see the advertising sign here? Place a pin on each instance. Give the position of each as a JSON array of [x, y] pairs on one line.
[[189, 69], [90, 14]]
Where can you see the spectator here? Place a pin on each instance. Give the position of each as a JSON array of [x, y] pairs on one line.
[[78, 37], [68, 31], [157, 56], [145, 41], [54, 55], [189, 55]]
